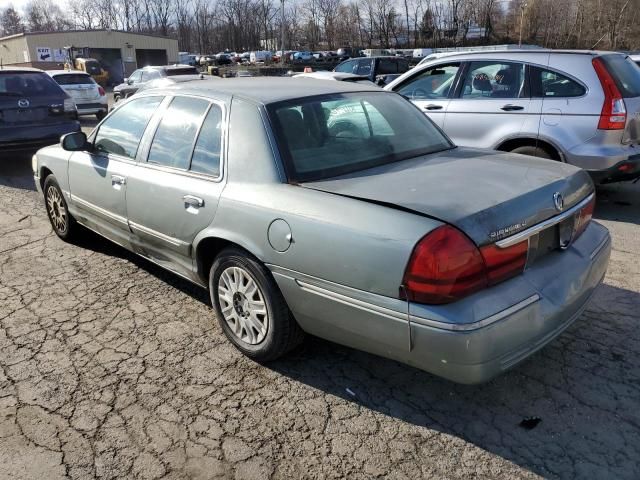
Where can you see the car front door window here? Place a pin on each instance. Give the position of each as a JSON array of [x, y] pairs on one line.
[[120, 134], [431, 84]]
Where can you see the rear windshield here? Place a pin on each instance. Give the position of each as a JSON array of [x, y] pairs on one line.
[[330, 135], [28, 84], [182, 71], [73, 79], [625, 73]]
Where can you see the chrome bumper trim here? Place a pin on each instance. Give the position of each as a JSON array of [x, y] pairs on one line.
[[529, 232]]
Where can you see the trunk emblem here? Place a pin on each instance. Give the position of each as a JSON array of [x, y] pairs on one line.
[[23, 103], [558, 201]]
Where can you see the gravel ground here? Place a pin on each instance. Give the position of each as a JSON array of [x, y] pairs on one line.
[[113, 368]]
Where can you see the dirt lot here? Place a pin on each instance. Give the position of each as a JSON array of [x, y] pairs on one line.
[[112, 368]]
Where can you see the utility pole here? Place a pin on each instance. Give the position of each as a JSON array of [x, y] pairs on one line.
[[522, 7], [282, 59]]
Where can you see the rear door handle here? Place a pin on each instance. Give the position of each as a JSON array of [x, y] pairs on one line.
[[193, 201], [510, 108], [432, 106], [118, 181]]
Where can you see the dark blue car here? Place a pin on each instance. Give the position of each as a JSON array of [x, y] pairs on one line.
[[34, 110]]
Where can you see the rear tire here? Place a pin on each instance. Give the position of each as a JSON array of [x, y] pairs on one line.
[[533, 152], [250, 308], [64, 225]]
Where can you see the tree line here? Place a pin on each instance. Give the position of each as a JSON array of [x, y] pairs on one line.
[[209, 26]]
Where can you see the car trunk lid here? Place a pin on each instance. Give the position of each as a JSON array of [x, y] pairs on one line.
[[488, 195]]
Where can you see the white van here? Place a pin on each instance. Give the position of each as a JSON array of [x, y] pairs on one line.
[[421, 52], [261, 56]]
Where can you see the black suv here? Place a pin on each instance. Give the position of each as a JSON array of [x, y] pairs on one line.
[[143, 75], [34, 110], [375, 68]]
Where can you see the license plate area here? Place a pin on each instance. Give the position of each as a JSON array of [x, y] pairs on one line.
[[556, 237]]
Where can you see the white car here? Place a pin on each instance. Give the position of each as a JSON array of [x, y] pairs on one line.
[[89, 97], [339, 76]]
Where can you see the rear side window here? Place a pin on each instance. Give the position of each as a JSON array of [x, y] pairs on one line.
[[28, 84], [547, 83], [73, 79], [120, 134], [387, 66], [625, 73], [174, 138], [206, 155]]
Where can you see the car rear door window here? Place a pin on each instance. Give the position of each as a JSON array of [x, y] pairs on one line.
[[430, 84], [120, 134], [547, 83], [206, 155], [386, 66], [174, 138], [493, 80]]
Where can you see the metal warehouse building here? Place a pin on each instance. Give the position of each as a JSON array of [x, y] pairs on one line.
[[120, 53]]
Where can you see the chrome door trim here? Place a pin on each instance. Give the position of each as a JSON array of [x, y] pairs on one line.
[[161, 236], [529, 232], [101, 211]]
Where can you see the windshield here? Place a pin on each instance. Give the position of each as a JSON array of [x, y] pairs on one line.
[[28, 84], [92, 67], [182, 71], [330, 135]]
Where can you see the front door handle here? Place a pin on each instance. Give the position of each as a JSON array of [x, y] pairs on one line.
[[118, 181], [433, 106], [510, 108], [193, 201]]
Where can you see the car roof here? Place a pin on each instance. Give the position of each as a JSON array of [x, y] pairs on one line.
[[167, 67], [19, 69], [322, 75], [266, 90], [519, 51]]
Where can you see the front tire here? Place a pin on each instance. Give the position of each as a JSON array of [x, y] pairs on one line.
[[250, 308], [64, 225]]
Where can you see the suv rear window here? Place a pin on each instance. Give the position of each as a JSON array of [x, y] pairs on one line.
[[73, 79], [28, 84], [182, 71], [625, 73]]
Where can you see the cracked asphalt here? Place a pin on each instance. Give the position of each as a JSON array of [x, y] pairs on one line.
[[113, 368]]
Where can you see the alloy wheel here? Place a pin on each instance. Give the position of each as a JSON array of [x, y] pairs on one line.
[[56, 209], [243, 306]]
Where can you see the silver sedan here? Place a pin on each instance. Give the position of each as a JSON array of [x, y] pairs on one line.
[[337, 210]]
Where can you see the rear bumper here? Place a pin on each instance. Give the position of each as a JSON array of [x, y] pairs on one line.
[[91, 108], [469, 341], [604, 163], [36, 136]]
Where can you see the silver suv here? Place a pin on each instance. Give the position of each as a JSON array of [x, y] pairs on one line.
[[580, 107]]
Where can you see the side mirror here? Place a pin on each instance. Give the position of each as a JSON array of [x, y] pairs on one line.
[[128, 81], [74, 142]]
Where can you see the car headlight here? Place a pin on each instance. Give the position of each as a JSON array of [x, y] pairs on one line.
[[34, 164], [69, 105]]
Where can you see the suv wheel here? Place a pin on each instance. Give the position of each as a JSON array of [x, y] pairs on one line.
[[61, 220], [250, 308], [533, 152]]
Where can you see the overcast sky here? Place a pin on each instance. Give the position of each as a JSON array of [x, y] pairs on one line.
[[20, 4]]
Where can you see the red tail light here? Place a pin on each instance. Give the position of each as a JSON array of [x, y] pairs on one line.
[[504, 263], [614, 112], [101, 91], [446, 266], [583, 218]]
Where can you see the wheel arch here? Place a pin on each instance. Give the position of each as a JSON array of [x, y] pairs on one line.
[[210, 243], [544, 143]]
